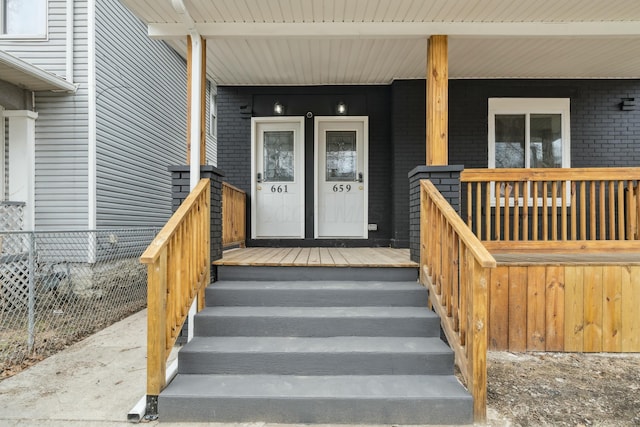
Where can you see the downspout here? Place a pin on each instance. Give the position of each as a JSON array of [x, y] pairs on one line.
[[196, 91], [92, 117]]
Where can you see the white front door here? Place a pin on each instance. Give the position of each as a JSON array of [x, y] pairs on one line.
[[278, 177], [341, 199]]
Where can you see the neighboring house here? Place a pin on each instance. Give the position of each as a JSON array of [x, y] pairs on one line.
[[94, 113], [535, 85]]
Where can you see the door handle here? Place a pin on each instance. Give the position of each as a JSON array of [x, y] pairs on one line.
[[259, 177], [360, 178]]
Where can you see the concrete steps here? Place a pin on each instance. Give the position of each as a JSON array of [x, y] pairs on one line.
[[377, 399], [316, 351], [316, 356], [316, 294], [316, 321]]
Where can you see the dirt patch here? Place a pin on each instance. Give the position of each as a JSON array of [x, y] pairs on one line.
[[563, 389]]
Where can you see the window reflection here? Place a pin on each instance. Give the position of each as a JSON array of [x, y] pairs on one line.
[[25, 17], [341, 155], [278, 156], [546, 141], [510, 140]]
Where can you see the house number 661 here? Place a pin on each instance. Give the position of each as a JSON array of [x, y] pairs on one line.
[[279, 189]]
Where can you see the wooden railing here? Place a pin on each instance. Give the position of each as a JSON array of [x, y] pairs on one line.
[[178, 270], [455, 266], [586, 204], [233, 216]]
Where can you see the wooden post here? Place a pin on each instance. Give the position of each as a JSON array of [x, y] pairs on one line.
[[156, 324], [478, 344], [437, 100], [203, 100]]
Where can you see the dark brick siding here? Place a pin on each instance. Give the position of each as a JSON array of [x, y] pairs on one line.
[[447, 180], [180, 190], [601, 134], [238, 104], [408, 149]]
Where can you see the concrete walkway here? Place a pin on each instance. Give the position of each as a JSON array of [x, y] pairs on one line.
[[92, 383]]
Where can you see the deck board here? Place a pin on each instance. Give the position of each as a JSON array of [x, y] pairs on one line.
[[318, 257]]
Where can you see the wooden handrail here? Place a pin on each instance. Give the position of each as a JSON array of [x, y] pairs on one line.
[[178, 270], [233, 216], [454, 265], [548, 174], [553, 204]]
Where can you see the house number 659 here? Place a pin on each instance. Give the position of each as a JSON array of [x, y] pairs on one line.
[[279, 189], [341, 188]]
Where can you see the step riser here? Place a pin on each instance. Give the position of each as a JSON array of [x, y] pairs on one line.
[[314, 327], [314, 298], [256, 273], [315, 364], [320, 411]]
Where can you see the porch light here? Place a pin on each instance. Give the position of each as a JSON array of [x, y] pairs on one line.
[[278, 109], [341, 108]]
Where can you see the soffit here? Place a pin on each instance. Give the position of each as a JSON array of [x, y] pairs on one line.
[[27, 76], [316, 42]]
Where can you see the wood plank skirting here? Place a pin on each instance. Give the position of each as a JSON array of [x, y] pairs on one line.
[[318, 257], [565, 302]]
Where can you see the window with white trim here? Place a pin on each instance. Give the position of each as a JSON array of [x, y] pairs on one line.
[[213, 111], [23, 18], [529, 133]]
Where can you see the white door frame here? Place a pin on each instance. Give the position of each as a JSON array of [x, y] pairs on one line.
[[316, 142], [255, 121]]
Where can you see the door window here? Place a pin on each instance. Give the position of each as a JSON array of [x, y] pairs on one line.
[[342, 157], [279, 156]]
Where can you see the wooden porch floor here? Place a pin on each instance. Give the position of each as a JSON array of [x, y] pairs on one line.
[[318, 257]]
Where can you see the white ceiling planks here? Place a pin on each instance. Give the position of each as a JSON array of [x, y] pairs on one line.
[[316, 42], [280, 11], [544, 58]]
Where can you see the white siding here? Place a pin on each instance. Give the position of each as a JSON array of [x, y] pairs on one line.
[[141, 120], [61, 131], [50, 53], [61, 127]]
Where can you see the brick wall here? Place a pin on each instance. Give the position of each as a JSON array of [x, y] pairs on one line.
[[601, 134], [447, 181], [180, 190], [238, 104], [408, 136]]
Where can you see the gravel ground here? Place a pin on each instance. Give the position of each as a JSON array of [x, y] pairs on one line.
[[563, 389]]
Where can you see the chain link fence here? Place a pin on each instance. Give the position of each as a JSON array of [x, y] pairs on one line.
[[59, 287]]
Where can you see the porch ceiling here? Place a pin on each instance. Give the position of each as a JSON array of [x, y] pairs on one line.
[[313, 42]]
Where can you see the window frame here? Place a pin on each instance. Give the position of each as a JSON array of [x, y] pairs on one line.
[[35, 36], [528, 107], [213, 111]]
